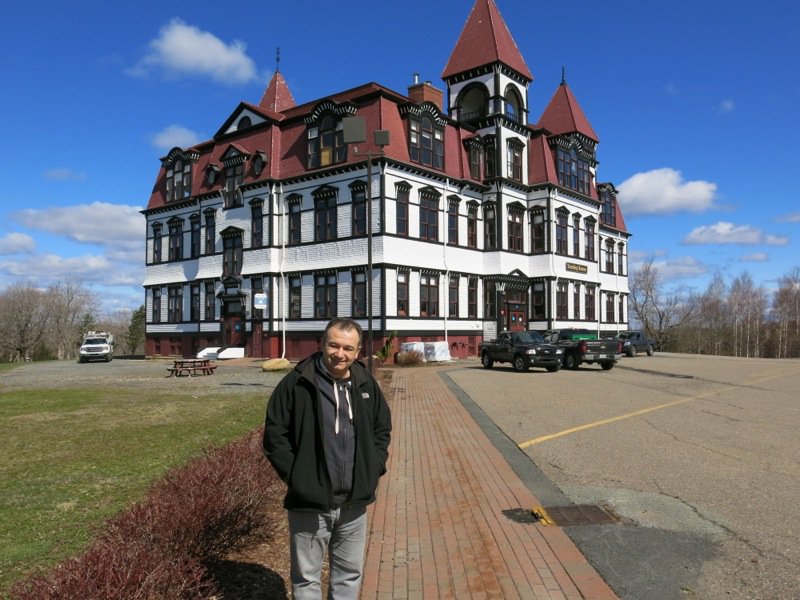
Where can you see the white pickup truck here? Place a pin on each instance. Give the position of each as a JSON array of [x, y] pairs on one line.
[[97, 345]]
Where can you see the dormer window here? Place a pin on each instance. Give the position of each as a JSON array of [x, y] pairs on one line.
[[608, 206], [179, 180], [244, 123], [514, 153], [426, 142], [212, 174], [573, 170], [234, 175], [326, 143], [259, 162]]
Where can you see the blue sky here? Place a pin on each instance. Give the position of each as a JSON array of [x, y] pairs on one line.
[[695, 104]]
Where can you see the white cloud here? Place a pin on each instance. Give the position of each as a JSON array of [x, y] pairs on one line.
[[97, 223], [790, 218], [675, 268], [663, 191], [182, 49], [755, 257], [724, 232], [15, 243], [64, 174], [175, 135]]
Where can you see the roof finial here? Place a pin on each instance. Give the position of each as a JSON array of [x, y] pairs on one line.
[[278, 59], [563, 75]]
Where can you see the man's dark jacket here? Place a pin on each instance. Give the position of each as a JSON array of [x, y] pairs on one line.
[[294, 445]]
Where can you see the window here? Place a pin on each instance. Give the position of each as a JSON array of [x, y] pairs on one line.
[[538, 301], [326, 143], [233, 179], [514, 160], [513, 105], [610, 256], [194, 221], [610, 308], [576, 301], [472, 298], [576, 235], [452, 223], [429, 295], [608, 214], [194, 307], [325, 218], [325, 296], [537, 232], [359, 294], [573, 171], [472, 227], [489, 227], [621, 259], [452, 295], [175, 239], [294, 221], [256, 287], [489, 299], [490, 157], [359, 196], [211, 232], [475, 161], [179, 180], [174, 304], [426, 142], [515, 230], [295, 297], [589, 298], [561, 233], [561, 301], [589, 240], [402, 293], [622, 318], [232, 254], [157, 242], [401, 208], [156, 305], [256, 225], [428, 218], [210, 301]]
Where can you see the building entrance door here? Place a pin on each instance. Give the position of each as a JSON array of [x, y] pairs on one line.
[[234, 331], [516, 320]]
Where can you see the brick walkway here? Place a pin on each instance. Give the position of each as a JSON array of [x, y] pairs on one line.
[[438, 529]]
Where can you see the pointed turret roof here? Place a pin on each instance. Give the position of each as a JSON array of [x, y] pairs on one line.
[[277, 96], [564, 115], [484, 40]]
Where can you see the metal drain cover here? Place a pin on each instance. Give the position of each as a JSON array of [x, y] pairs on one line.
[[570, 516]]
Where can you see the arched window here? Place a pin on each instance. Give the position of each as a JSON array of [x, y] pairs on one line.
[[513, 104]]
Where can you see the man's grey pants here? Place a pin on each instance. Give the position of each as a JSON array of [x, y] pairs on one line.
[[343, 532]]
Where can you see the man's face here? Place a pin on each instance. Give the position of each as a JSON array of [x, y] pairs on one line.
[[339, 349]]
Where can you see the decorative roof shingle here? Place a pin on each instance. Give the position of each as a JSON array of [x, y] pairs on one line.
[[564, 115], [277, 97], [485, 40]]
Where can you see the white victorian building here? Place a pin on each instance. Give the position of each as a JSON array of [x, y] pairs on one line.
[[480, 217]]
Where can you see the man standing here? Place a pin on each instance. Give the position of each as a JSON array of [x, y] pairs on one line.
[[327, 435]]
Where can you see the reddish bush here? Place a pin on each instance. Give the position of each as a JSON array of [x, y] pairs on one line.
[[410, 358], [160, 547]]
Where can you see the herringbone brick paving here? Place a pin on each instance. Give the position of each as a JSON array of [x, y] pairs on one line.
[[438, 528]]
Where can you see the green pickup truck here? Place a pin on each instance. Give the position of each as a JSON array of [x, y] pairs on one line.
[[582, 346]]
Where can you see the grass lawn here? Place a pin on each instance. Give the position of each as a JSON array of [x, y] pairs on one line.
[[73, 457]]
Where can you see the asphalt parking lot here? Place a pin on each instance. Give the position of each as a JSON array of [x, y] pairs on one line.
[[699, 456]]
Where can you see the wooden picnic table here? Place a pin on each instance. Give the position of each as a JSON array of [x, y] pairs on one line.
[[185, 367]]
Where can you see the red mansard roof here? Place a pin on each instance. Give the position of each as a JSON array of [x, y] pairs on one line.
[[277, 97], [564, 115], [484, 40]]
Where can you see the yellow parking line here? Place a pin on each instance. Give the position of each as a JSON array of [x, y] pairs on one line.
[[636, 413]]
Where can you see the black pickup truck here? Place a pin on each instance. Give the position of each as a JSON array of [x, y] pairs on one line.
[[634, 342], [582, 346], [523, 349]]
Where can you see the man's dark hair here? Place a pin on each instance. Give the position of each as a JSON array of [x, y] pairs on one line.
[[345, 324]]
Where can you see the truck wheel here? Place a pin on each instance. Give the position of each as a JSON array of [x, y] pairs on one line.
[[607, 366], [520, 364], [650, 350], [571, 361], [632, 351], [486, 361], [554, 368]]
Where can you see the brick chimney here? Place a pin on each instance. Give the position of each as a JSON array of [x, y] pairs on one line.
[[425, 92]]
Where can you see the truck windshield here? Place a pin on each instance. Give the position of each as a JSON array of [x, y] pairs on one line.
[[94, 341], [527, 337]]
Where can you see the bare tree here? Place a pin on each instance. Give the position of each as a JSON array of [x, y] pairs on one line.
[[71, 305], [786, 308], [657, 310], [23, 320]]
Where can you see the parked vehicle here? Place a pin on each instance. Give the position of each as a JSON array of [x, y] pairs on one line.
[[523, 349], [97, 345], [582, 346], [634, 342]]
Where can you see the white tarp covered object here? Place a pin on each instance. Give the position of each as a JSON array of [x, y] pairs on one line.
[[413, 347], [437, 351]]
